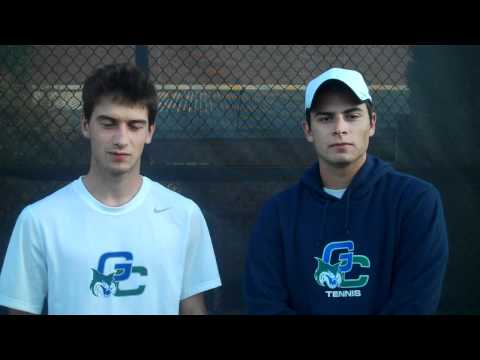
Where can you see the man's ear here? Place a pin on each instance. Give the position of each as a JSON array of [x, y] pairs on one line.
[[373, 124], [307, 131], [151, 131], [85, 127]]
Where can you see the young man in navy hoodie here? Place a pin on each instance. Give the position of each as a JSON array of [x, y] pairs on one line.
[[354, 236]]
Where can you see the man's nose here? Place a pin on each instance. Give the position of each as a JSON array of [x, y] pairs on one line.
[[340, 125], [120, 138]]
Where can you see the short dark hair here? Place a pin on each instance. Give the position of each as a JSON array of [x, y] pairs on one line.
[[336, 86], [126, 83]]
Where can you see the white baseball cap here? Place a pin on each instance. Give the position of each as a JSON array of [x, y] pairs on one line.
[[353, 79]]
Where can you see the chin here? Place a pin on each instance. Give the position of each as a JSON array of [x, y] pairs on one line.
[[339, 161], [344, 161], [119, 171]]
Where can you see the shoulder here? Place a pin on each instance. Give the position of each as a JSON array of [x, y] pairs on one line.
[[410, 184], [171, 198], [410, 192], [52, 202], [284, 199], [42, 213]]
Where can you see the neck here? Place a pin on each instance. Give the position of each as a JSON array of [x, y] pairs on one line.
[[112, 190], [339, 177]]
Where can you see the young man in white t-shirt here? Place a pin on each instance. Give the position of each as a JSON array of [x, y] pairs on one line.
[[112, 241]]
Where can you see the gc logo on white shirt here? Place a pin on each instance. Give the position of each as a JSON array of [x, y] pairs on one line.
[[107, 285]]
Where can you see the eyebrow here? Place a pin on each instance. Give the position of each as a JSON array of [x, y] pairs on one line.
[[109, 118], [356, 108]]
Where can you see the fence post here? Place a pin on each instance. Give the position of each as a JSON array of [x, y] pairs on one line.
[[141, 58]]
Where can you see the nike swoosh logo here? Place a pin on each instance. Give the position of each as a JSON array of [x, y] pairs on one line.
[[157, 211]]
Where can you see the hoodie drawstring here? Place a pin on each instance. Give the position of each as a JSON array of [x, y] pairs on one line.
[[347, 219], [324, 226], [347, 211]]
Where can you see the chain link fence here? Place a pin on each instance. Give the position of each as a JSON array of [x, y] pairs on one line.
[[206, 92], [228, 126]]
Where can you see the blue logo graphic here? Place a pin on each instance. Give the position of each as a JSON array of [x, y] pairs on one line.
[[334, 275], [108, 285]]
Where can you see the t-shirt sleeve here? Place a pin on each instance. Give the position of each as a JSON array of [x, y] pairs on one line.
[[23, 279], [201, 271]]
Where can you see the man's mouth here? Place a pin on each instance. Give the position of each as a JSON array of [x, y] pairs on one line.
[[119, 155], [341, 145]]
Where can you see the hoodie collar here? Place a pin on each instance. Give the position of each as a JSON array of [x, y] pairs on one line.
[[370, 172]]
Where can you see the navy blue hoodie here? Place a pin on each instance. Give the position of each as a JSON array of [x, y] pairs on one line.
[[380, 249]]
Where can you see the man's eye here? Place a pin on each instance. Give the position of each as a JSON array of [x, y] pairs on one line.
[[107, 124], [136, 126]]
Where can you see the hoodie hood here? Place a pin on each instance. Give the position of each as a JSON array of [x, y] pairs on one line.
[[369, 174]]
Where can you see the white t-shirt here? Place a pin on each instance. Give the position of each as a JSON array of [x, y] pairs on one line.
[[338, 193], [88, 258]]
